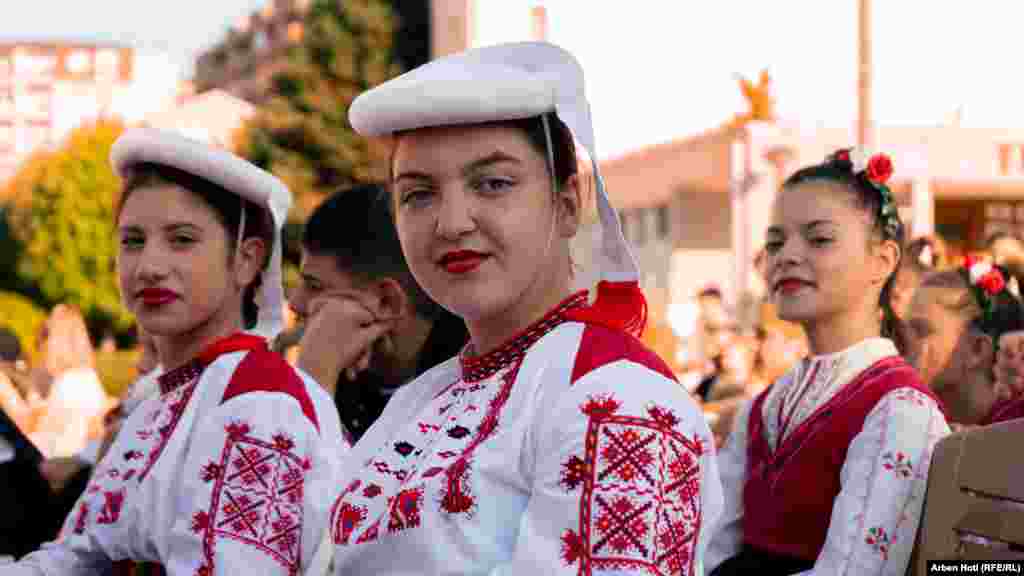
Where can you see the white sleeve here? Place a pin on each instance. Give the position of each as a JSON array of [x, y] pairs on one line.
[[727, 534], [876, 514], [66, 557], [251, 498], [623, 478]]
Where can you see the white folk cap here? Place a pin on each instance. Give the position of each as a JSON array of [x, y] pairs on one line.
[[511, 82], [149, 146]]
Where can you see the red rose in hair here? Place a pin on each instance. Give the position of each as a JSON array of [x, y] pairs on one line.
[[879, 169], [969, 261], [843, 156], [992, 283]]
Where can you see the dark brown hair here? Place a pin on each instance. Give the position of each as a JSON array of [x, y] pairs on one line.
[[1007, 313]]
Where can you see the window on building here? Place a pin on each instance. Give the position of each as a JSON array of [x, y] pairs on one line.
[[664, 222], [1006, 217]]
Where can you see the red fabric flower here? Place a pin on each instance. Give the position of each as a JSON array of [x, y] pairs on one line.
[[879, 169], [992, 283]]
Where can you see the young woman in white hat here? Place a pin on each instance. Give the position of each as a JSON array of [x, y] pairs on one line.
[[225, 472], [555, 443]]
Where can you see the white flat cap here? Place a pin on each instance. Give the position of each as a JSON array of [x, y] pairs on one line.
[[146, 145], [492, 84]]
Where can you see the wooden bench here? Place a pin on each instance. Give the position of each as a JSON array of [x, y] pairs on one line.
[[974, 504]]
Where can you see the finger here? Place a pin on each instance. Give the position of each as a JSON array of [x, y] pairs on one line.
[[364, 301], [364, 362]]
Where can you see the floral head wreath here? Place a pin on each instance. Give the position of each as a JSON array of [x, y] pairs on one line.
[[875, 171], [986, 282]]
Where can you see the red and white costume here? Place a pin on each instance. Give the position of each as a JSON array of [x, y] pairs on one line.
[[224, 472], [829, 465], [228, 469], [569, 450]]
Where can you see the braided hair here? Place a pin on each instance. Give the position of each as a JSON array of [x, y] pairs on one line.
[[867, 180]]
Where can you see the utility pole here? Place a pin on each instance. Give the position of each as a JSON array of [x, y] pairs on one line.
[[864, 120]]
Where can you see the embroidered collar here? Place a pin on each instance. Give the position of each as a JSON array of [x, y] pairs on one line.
[[814, 381], [237, 342], [475, 368]]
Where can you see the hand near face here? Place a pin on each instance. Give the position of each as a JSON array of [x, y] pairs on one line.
[[1009, 366], [341, 332], [59, 471]]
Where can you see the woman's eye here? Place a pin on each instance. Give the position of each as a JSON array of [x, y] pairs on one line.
[[492, 185], [132, 243], [773, 246], [416, 196]]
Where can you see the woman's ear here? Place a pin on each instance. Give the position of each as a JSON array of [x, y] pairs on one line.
[[393, 302], [568, 200], [887, 258], [249, 260], [982, 351]]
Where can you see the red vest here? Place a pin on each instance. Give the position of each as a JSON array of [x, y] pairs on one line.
[[789, 494], [1004, 410]]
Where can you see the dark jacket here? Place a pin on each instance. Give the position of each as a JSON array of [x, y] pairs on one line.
[[29, 516], [360, 403]]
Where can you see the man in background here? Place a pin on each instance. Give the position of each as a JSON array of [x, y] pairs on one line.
[[27, 518]]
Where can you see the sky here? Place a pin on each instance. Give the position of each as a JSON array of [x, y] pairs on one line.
[[658, 70]]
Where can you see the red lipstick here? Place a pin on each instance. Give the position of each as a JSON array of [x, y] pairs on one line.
[[156, 296], [790, 285], [462, 261]]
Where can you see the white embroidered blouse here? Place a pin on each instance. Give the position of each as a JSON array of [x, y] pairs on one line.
[[225, 472], [569, 450], [875, 517]]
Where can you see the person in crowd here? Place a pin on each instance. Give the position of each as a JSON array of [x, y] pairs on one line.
[[27, 519], [921, 256], [349, 245], [853, 420], [555, 443], [734, 374], [956, 321], [1010, 365], [1004, 247], [69, 476], [75, 402], [225, 471], [15, 381]]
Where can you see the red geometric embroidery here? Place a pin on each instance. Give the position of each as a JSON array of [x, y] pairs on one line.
[[348, 519], [405, 510], [457, 498], [640, 493], [175, 403], [256, 498], [371, 533], [342, 521], [111, 511], [83, 514]]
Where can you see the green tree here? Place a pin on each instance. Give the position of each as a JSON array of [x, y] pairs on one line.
[[61, 213], [21, 316], [302, 133]]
